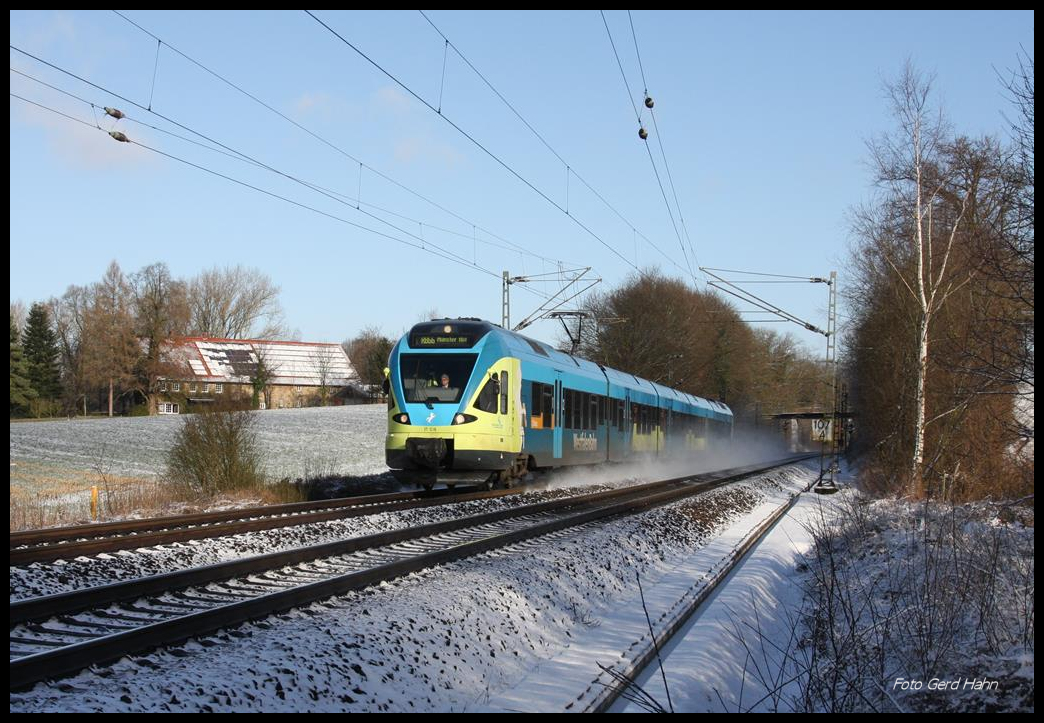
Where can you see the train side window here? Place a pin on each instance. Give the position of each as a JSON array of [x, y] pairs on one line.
[[547, 392], [596, 403], [487, 398], [567, 412], [535, 410]]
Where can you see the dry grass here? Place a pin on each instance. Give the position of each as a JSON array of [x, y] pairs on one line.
[[40, 500]]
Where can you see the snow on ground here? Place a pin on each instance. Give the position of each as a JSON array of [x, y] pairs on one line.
[[571, 680], [933, 607], [730, 655], [63, 575], [316, 441], [923, 617], [460, 637]]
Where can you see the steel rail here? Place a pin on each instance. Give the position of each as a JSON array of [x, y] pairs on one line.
[[69, 658], [165, 530], [609, 694]]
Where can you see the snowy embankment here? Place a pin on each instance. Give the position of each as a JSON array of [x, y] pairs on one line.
[[931, 608], [857, 605], [463, 636], [735, 653]]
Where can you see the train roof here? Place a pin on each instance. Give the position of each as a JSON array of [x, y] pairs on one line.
[[468, 332]]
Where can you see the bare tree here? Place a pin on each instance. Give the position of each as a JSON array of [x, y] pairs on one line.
[[70, 314], [941, 339], [368, 352], [322, 362], [161, 312], [19, 314], [110, 347], [265, 371], [663, 330], [907, 163], [236, 303]]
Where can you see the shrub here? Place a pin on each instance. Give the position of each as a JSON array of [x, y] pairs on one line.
[[216, 451]]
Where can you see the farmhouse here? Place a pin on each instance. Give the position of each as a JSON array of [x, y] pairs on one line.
[[267, 374]]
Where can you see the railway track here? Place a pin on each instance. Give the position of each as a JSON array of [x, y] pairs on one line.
[[60, 634], [602, 701], [83, 540]]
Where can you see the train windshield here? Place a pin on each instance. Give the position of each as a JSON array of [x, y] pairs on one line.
[[435, 378]]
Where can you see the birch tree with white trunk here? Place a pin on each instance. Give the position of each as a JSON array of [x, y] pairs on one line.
[[907, 162]]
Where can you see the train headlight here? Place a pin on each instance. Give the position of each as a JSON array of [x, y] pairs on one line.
[[461, 418], [401, 418]]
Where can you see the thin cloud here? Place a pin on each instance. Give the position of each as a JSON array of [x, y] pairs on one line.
[[80, 146]]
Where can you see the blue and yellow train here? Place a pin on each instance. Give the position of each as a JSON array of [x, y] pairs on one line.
[[471, 402]]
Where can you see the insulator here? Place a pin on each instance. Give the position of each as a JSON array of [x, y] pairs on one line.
[[648, 102], [114, 112], [119, 136], [642, 133]]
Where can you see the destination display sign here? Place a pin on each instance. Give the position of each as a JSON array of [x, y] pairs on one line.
[[446, 336]]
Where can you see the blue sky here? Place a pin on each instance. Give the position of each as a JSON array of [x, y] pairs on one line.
[[764, 117]]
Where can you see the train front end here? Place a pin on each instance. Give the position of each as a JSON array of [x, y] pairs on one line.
[[454, 405]]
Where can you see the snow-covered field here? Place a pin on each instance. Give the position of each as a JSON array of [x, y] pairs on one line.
[[460, 637], [295, 442]]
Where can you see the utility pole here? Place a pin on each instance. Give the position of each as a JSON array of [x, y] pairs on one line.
[[831, 359], [832, 343], [505, 303], [553, 302], [730, 287]]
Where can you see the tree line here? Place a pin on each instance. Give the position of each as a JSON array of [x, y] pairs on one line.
[[940, 353], [84, 351], [662, 329]]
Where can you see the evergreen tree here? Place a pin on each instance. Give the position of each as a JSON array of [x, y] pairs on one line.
[[21, 390], [40, 345]]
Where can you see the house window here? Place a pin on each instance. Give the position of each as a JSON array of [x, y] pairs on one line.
[[169, 408], [175, 386], [163, 386], [218, 388], [206, 387], [192, 387]]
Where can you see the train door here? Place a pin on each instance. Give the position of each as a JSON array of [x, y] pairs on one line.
[[558, 406], [510, 404]]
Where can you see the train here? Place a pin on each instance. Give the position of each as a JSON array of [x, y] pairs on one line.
[[471, 402]]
